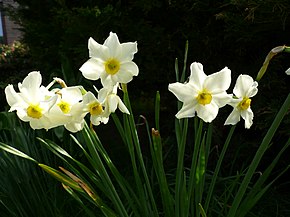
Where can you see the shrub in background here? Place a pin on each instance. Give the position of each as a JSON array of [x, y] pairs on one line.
[[14, 62]]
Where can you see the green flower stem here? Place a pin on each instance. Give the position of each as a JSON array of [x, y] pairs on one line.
[[157, 160], [131, 149], [181, 127], [198, 165], [257, 158], [119, 126], [217, 169], [124, 185], [199, 177], [136, 144], [208, 140], [180, 183], [103, 173], [193, 184], [157, 157], [139, 184], [156, 151]]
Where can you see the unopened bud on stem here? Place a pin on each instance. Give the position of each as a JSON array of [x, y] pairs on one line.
[[271, 54]]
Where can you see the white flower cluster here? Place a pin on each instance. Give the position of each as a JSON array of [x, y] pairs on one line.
[[46, 108], [203, 95], [112, 63]]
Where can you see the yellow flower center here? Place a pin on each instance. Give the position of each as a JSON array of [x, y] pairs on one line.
[[34, 111], [245, 103], [112, 66], [95, 108], [64, 106], [204, 97]]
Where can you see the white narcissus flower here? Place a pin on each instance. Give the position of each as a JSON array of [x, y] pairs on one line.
[[32, 102], [68, 110], [288, 71], [111, 100], [96, 109], [112, 61], [244, 89], [202, 95]]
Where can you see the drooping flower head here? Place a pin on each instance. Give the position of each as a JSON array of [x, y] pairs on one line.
[[111, 62], [96, 109], [244, 89], [68, 110], [112, 101], [32, 102], [202, 95]]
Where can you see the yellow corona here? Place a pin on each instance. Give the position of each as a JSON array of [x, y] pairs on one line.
[[112, 66], [64, 106], [95, 108], [245, 103], [204, 97], [34, 111]]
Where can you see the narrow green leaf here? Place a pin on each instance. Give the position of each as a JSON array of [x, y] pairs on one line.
[[136, 145], [202, 212], [157, 157], [182, 79], [176, 70], [93, 144], [16, 152], [157, 110], [257, 188], [258, 156], [61, 177], [251, 201], [200, 169], [77, 198], [56, 147], [179, 183]]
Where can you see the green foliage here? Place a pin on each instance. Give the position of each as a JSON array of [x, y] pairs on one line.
[[25, 190], [193, 192], [89, 174], [235, 33]]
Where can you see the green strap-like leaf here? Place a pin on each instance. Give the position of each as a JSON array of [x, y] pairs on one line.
[[15, 151], [61, 177]]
